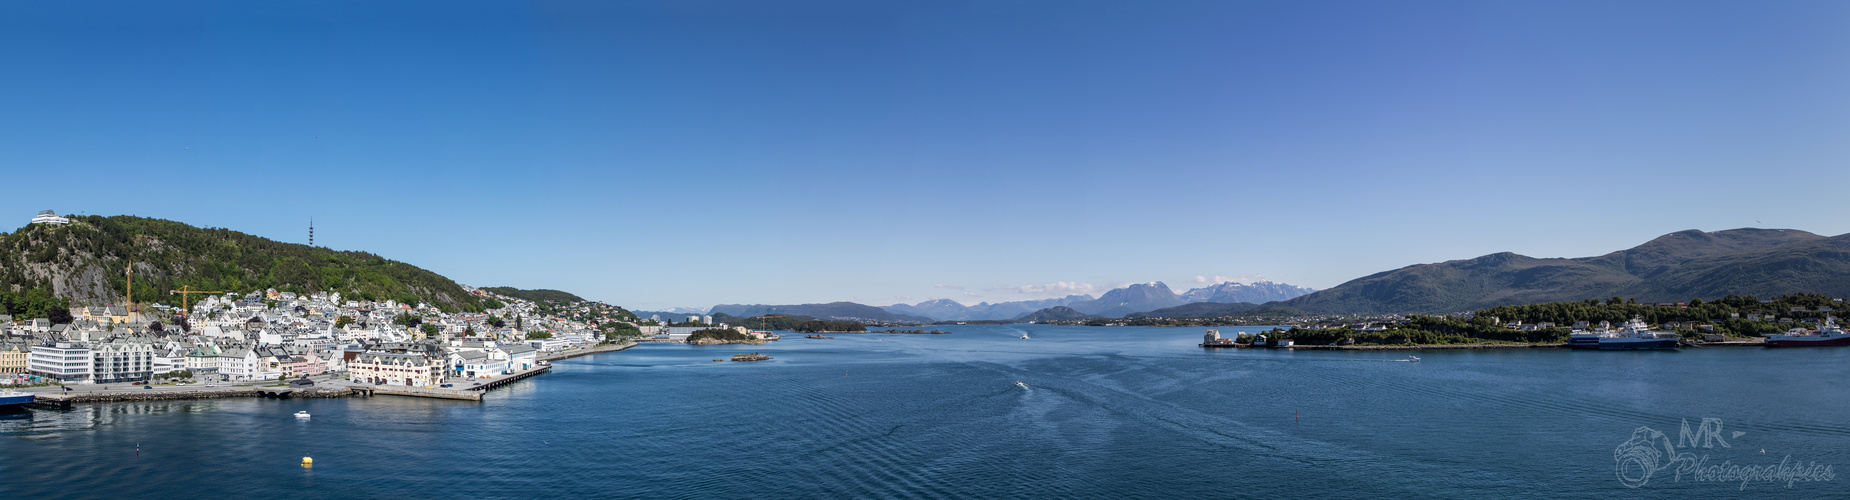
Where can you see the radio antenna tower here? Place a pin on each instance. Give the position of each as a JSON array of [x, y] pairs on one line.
[[311, 231]]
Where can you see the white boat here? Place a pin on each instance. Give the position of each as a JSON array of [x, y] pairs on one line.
[[1024, 386], [1024, 336], [1637, 335], [301, 414], [11, 397], [1413, 359], [1828, 334]]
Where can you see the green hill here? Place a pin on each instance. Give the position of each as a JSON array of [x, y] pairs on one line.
[[1055, 313], [540, 295], [85, 261], [1674, 267]]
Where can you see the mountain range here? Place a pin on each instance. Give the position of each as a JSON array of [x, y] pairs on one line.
[[842, 311], [951, 310], [1673, 267]]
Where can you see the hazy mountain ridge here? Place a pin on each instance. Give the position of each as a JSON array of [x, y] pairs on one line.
[[951, 310], [1130, 299], [1198, 310], [1256, 293], [843, 311], [1056, 313]]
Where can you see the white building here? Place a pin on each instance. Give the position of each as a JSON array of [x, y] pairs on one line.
[[237, 363], [394, 369], [66, 362], [50, 218], [548, 345], [122, 362]]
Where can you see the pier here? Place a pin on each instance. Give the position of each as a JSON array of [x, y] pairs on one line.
[[587, 352]]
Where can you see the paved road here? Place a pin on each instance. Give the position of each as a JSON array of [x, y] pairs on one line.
[[127, 388]]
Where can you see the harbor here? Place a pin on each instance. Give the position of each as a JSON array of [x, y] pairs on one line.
[[329, 388]]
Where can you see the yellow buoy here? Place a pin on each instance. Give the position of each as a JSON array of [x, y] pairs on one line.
[[308, 462]]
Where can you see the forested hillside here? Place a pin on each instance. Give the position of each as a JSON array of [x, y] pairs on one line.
[[86, 261]]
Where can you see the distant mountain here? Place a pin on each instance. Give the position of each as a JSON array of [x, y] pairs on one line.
[[1130, 299], [1674, 267], [1198, 310], [843, 311], [669, 315], [1056, 313], [539, 295], [1257, 293], [951, 310]]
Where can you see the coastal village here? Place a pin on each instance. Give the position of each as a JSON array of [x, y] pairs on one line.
[[281, 336], [270, 337]]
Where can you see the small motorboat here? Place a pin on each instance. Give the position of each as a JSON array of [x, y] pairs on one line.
[[301, 414], [1018, 383], [1413, 359], [1024, 336]]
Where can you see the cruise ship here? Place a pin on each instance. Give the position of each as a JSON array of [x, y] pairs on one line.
[[1636, 335], [10, 398], [1828, 334]]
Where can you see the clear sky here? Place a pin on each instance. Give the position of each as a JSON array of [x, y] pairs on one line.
[[688, 153]]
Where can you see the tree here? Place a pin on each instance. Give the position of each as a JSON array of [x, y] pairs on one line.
[[343, 321], [59, 315], [538, 335], [154, 326], [429, 328]]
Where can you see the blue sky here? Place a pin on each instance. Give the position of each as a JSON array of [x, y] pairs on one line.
[[687, 153]]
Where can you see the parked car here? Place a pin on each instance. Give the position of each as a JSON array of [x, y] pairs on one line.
[[147, 387], [446, 385], [134, 383]]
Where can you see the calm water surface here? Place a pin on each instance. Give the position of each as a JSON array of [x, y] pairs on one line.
[[1108, 413]]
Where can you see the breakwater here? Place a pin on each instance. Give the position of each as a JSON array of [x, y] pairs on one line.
[[587, 352]]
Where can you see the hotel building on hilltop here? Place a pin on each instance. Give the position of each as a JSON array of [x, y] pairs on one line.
[[50, 218]]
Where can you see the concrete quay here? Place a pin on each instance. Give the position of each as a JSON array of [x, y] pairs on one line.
[[586, 352]]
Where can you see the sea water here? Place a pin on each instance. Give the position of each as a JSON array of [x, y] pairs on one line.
[[1100, 412]]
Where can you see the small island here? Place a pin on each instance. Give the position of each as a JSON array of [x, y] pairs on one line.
[[750, 357], [714, 336], [817, 337], [919, 332]]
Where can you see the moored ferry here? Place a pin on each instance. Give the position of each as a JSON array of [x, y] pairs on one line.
[[11, 398], [1636, 335], [1583, 340], [1829, 334]]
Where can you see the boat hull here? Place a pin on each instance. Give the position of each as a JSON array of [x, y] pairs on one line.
[[6, 401], [1776, 341], [1609, 345]]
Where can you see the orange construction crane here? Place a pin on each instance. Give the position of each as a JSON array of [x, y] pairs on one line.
[[185, 293]]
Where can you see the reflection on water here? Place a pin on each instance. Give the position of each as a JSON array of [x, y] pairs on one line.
[[1107, 412], [47, 421]]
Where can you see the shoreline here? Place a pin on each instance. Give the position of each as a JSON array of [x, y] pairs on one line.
[[345, 390], [1444, 347]]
